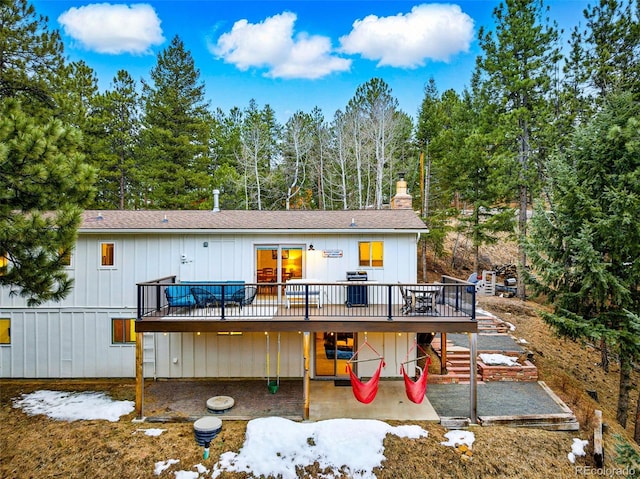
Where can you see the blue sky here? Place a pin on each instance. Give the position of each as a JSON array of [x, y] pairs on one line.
[[292, 55]]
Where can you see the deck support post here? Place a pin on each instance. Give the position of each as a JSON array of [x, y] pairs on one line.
[[306, 339], [139, 375], [473, 378]]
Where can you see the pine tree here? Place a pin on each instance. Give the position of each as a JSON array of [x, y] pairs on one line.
[[175, 139], [116, 127], [45, 185], [585, 239], [517, 66], [612, 46], [30, 56]]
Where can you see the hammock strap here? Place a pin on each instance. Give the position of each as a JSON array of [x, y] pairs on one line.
[[414, 346], [365, 343]]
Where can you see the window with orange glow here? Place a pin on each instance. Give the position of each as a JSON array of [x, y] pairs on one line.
[[5, 331], [3, 263], [371, 253], [65, 258], [123, 331], [108, 254]]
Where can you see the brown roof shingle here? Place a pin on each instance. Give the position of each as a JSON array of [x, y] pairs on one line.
[[364, 220]]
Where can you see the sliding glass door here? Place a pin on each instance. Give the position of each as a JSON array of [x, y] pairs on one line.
[[277, 263], [333, 350]]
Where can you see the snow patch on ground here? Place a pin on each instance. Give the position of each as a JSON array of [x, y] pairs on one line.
[[275, 446], [577, 449], [459, 437], [73, 406], [498, 359]]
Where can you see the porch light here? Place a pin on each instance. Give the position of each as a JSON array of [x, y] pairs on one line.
[[311, 248]]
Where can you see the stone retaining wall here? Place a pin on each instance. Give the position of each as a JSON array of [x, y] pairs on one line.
[[518, 372]]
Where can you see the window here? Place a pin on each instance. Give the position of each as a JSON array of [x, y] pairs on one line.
[[123, 331], [4, 263], [5, 331], [371, 253], [108, 254], [65, 257]]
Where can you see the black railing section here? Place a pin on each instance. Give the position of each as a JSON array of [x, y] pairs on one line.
[[235, 299]]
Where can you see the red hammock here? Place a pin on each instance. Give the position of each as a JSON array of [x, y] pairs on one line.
[[365, 392], [416, 390]]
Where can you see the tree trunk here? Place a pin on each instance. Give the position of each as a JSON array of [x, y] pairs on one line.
[[522, 234], [604, 352], [424, 260], [623, 390], [636, 431]]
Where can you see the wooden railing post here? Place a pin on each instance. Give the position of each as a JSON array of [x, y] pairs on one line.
[[139, 375], [307, 378], [443, 353]]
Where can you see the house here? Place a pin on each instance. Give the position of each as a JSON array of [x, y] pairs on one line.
[[124, 262]]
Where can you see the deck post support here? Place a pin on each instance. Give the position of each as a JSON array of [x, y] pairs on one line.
[[473, 378], [139, 375], [306, 339]]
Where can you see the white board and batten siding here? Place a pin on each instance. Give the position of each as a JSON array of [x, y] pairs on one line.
[[189, 355], [54, 343], [73, 338]]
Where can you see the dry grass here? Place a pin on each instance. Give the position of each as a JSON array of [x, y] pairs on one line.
[[38, 447]]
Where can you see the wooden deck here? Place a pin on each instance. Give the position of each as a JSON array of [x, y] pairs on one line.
[[264, 315]]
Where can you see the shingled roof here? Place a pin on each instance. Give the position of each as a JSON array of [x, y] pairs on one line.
[[241, 220]]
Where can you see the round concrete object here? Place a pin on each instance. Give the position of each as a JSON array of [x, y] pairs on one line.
[[218, 404], [205, 429]]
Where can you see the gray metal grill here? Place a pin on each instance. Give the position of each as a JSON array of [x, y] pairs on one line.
[[357, 294], [357, 276]]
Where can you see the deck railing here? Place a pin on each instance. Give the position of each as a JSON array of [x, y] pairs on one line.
[[450, 298]]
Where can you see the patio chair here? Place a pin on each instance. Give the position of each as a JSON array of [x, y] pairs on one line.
[[424, 301], [179, 297], [407, 307], [204, 298], [243, 296]]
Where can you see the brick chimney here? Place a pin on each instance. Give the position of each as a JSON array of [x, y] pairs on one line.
[[402, 200]]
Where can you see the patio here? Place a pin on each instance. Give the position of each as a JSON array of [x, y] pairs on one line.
[[498, 403]]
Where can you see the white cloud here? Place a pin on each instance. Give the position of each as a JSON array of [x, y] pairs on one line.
[[429, 31], [271, 44], [113, 29]]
